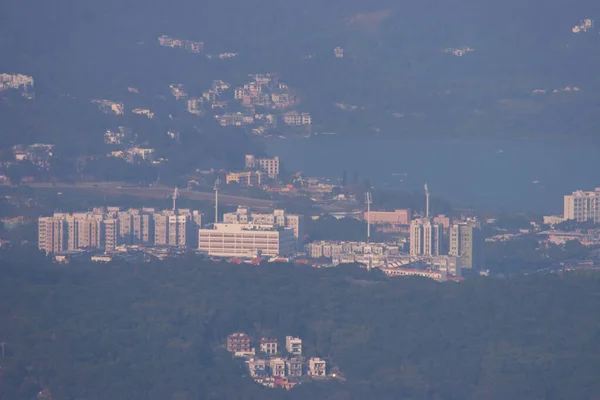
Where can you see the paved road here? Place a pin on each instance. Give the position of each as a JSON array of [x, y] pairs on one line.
[[162, 192]]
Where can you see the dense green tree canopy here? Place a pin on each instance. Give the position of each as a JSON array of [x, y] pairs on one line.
[[155, 331]]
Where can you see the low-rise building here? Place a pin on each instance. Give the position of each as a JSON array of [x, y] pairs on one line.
[[268, 346], [436, 275], [269, 166], [257, 367], [246, 240], [277, 366], [552, 219], [317, 367], [245, 178], [238, 342], [293, 345], [294, 118], [295, 366]]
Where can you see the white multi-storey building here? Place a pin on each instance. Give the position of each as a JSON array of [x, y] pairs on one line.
[[426, 238], [269, 166], [317, 367], [293, 345], [246, 240], [582, 206], [278, 218]]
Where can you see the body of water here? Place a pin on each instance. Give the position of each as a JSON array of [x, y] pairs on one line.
[[510, 175]]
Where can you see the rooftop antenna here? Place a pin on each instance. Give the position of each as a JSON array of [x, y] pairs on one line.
[[368, 200], [217, 183], [426, 202], [175, 195]]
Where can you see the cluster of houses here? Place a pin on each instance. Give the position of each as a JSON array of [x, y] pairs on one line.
[[273, 366], [191, 46], [19, 82]]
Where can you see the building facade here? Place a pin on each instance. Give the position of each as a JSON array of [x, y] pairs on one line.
[[238, 342], [466, 242], [105, 229], [293, 345], [396, 217], [269, 166], [426, 238], [246, 240], [268, 346], [244, 179], [278, 218], [582, 206], [317, 367]]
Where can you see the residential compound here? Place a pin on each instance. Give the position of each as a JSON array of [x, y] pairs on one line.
[[268, 166], [270, 368], [582, 206], [105, 229], [278, 218]]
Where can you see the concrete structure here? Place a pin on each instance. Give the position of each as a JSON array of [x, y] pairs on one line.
[[257, 367], [52, 234], [244, 179], [293, 345], [277, 366], [436, 275], [295, 366], [442, 219], [396, 217], [246, 240], [466, 242], [451, 265], [278, 218], [268, 346], [317, 367], [295, 118], [426, 238], [337, 250], [582, 206], [238, 342], [269, 166], [105, 229], [552, 219]]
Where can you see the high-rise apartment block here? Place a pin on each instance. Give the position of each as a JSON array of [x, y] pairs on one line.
[[278, 218], [105, 229], [582, 206], [426, 237], [269, 166], [466, 242]]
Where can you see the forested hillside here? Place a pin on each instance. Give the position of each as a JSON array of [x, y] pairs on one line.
[[154, 331]]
